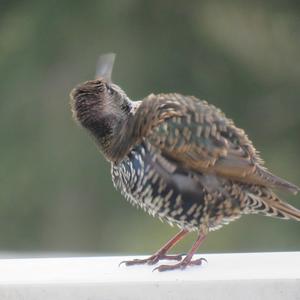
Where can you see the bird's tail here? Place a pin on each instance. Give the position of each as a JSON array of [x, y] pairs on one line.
[[277, 182], [265, 201], [289, 211]]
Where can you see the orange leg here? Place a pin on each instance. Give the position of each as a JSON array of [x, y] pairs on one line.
[[161, 253]]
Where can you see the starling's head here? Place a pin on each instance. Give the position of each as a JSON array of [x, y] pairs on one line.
[[102, 108]]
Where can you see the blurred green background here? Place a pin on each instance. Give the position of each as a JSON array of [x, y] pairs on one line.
[[56, 193]]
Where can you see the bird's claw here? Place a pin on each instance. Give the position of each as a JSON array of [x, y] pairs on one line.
[[181, 265], [152, 260]]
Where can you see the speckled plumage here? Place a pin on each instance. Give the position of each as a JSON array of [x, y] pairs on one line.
[[180, 159], [187, 191]]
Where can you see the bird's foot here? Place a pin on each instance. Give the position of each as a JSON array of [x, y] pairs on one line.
[[152, 260], [181, 265]]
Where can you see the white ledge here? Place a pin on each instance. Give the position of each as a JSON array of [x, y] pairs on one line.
[[225, 276]]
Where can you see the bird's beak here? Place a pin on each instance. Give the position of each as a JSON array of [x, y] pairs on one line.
[[105, 66]]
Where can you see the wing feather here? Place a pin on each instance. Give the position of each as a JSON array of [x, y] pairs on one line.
[[199, 137]]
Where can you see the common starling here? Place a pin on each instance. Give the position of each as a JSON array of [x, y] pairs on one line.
[[180, 159]]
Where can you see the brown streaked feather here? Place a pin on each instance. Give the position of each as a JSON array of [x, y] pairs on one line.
[[265, 201], [201, 138], [149, 113], [288, 210]]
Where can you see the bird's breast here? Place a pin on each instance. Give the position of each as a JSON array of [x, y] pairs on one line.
[[155, 184]]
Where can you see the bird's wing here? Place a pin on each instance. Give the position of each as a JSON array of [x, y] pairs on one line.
[[199, 137]]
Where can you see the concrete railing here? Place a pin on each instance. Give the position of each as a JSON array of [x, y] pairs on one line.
[[225, 276]]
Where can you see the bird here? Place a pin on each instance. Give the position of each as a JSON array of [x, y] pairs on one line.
[[178, 158]]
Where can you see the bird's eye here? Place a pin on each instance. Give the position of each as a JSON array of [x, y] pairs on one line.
[[110, 90]]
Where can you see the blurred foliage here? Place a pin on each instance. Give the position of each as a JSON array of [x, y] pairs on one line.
[[55, 188]]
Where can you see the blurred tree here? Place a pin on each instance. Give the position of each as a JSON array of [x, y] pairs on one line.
[[55, 189]]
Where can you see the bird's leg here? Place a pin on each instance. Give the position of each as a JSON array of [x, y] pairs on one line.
[[161, 253], [187, 261]]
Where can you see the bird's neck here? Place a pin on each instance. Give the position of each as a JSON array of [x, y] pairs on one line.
[[118, 144]]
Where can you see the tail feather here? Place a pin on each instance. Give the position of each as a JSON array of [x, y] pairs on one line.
[[264, 201], [277, 182], [288, 210]]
